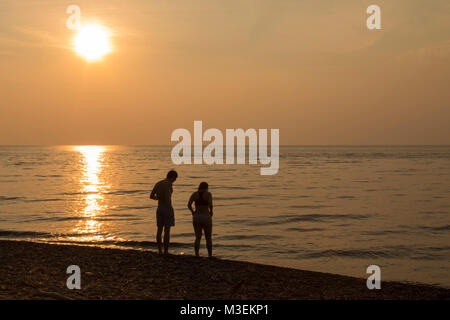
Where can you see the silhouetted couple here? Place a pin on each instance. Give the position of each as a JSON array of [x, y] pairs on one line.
[[165, 217]]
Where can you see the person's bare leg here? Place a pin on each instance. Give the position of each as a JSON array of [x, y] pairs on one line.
[[198, 238], [208, 236], [158, 239], [166, 239]]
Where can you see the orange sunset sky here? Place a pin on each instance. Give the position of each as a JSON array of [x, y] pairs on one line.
[[310, 68]]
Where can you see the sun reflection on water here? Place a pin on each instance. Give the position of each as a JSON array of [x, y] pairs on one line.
[[90, 227]]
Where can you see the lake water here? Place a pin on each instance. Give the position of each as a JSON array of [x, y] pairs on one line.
[[330, 209]]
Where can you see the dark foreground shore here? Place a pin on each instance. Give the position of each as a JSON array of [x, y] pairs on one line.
[[38, 271]]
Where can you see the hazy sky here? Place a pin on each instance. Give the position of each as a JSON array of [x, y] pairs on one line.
[[310, 68]]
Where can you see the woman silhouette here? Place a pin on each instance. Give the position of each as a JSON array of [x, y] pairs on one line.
[[202, 216]]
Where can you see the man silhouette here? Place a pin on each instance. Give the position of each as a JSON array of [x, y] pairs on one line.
[[165, 217]]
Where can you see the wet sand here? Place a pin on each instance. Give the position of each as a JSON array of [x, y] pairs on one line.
[[38, 271]]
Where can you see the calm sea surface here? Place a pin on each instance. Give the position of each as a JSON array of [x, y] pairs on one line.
[[330, 209]]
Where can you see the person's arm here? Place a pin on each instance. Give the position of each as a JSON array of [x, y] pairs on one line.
[[154, 193], [210, 205], [191, 200]]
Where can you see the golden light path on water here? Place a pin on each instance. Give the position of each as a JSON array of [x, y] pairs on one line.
[[93, 189]]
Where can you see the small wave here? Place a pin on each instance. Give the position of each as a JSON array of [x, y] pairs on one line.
[[12, 234], [44, 200], [119, 215], [141, 244], [77, 193], [433, 212], [118, 219], [23, 234], [381, 233], [57, 219], [244, 222], [286, 219], [110, 217], [392, 252], [153, 244], [322, 217], [233, 187], [441, 228], [350, 253], [125, 208], [125, 192], [309, 206], [305, 229], [48, 176], [249, 237], [234, 198], [2, 198], [144, 244]]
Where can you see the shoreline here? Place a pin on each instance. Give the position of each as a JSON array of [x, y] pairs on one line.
[[34, 270]]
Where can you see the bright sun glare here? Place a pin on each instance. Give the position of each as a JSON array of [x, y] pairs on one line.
[[92, 42]]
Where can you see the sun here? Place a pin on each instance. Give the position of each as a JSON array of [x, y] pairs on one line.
[[92, 42]]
